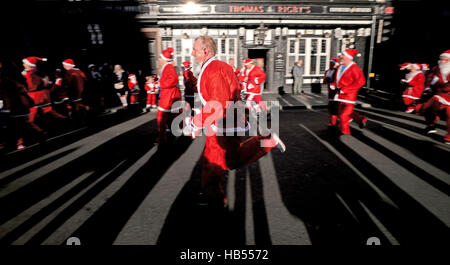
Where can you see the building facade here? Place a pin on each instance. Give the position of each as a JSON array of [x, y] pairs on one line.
[[276, 33]]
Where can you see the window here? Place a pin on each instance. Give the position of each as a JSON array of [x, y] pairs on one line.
[[315, 52]]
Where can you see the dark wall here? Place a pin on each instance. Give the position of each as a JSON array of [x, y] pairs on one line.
[[420, 35], [58, 30]]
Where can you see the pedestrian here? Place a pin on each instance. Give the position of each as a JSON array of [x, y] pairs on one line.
[[437, 81], [152, 91], [74, 81], [38, 87], [349, 79], [218, 84], [133, 86], [95, 92], [120, 81], [328, 79], [15, 105], [59, 95], [415, 85], [190, 84], [254, 77], [169, 94], [297, 73]]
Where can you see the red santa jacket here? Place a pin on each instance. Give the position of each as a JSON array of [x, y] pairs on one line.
[[348, 82], [37, 88], [441, 84], [150, 87], [169, 92], [415, 85], [73, 81], [217, 84], [134, 87], [190, 83], [255, 77]]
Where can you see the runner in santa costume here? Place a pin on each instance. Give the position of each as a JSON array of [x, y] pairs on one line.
[[218, 88], [328, 79], [415, 85], [134, 89], [74, 81], [439, 104], [38, 90], [152, 90], [349, 79], [190, 84], [169, 93], [254, 77]]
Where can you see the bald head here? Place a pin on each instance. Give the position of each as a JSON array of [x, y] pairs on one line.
[[204, 48]]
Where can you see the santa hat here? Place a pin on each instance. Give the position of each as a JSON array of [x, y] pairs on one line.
[[425, 66], [68, 62], [446, 54], [32, 60], [416, 65], [350, 53], [130, 76], [167, 54], [248, 61], [404, 66], [187, 65], [335, 60]]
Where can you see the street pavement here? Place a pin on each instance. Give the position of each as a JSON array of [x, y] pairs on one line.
[[109, 184]]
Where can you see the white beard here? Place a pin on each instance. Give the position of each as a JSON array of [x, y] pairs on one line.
[[445, 69]]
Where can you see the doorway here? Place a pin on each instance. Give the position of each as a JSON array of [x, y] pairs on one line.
[[260, 58]]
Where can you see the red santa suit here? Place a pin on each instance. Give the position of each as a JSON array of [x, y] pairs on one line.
[[169, 93], [217, 84], [255, 76], [74, 81], [348, 81], [152, 91], [413, 92], [440, 102], [133, 86]]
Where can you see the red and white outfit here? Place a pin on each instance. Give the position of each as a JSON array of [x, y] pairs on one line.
[[349, 79], [217, 84], [254, 77], [169, 93], [152, 91], [415, 82], [133, 86], [440, 102]]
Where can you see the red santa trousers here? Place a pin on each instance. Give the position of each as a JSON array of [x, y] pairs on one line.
[[257, 99], [438, 104], [223, 153], [165, 113], [134, 99], [332, 112], [151, 99], [346, 113]]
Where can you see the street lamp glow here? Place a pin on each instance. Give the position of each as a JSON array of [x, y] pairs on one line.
[[191, 8]]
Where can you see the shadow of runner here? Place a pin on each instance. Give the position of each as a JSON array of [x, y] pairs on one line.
[[124, 149], [106, 223]]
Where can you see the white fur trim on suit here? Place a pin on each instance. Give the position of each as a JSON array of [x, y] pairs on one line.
[[200, 78], [442, 100], [230, 130], [165, 58], [408, 96]]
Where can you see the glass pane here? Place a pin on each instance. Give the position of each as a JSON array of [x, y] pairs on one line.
[[314, 46], [323, 64], [291, 63], [178, 43], [231, 47], [313, 64], [187, 58], [222, 46], [223, 58], [302, 46], [324, 46], [292, 46]]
